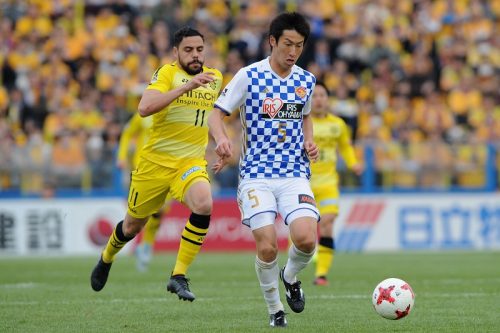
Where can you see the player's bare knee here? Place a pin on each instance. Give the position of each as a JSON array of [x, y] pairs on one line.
[[305, 244], [268, 253], [203, 206]]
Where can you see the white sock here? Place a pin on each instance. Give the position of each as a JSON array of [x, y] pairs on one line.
[[268, 275], [297, 261]]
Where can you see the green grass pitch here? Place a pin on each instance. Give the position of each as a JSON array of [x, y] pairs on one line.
[[455, 292]]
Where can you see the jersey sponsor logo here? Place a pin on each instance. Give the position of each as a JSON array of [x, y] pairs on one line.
[[203, 95], [305, 198], [286, 111], [271, 106], [300, 91], [190, 171]]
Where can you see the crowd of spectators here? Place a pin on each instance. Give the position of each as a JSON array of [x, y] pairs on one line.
[[417, 81]]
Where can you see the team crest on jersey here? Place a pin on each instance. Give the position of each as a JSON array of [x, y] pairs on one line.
[[300, 91], [272, 106], [212, 85]]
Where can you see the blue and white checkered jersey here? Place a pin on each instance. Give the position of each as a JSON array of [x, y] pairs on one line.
[[271, 111]]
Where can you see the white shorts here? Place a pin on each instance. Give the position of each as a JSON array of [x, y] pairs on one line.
[[260, 201]]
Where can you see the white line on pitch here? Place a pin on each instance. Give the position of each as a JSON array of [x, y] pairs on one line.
[[205, 299]]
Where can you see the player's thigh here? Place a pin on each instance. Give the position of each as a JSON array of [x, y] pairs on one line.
[[148, 189], [304, 232], [327, 199], [192, 173], [295, 199], [257, 203]]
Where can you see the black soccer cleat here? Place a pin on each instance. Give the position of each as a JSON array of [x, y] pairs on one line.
[[99, 275], [179, 285], [278, 319], [294, 294]]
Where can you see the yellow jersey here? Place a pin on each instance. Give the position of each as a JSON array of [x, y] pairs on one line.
[[330, 134], [137, 130], [179, 132]]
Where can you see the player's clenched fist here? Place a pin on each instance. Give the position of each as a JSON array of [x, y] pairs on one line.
[[312, 150]]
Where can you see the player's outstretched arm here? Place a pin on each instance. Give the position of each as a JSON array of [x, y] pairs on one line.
[[346, 150], [153, 100]]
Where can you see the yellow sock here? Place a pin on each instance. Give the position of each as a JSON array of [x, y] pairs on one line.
[[192, 239], [325, 256], [116, 242], [151, 228]]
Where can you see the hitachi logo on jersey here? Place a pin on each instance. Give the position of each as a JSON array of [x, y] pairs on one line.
[[205, 95], [276, 109]]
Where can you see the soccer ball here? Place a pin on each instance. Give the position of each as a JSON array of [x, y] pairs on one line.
[[393, 298]]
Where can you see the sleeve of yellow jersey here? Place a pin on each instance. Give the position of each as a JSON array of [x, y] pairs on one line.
[[162, 78], [345, 146], [132, 129]]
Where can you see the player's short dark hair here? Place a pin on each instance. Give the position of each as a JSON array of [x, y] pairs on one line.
[[289, 21], [184, 32], [322, 84]]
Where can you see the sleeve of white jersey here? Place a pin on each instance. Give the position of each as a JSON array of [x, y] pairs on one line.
[[233, 95], [307, 107]]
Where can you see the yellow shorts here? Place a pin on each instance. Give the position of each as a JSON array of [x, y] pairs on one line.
[[327, 199], [151, 183]]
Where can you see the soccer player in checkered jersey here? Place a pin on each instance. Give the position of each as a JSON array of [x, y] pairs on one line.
[[274, 98]]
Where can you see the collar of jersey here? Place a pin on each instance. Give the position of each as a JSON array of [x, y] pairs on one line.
[[267, 66]]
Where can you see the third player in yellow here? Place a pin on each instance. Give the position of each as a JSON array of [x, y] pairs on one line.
[[331, 134]]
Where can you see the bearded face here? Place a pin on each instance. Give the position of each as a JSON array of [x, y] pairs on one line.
[[191, 54]]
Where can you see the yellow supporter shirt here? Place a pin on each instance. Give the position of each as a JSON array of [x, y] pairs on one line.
[[330, 133], [179, 132]]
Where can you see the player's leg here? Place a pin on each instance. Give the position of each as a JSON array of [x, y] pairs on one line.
[[197, 196], [303, 234], [327, 200], [296, 204], [124, 232], [144, 250], [267, 269], [326, 248], [147, 195], [258, 208]]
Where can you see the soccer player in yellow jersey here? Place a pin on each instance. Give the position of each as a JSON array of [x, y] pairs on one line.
[[331, 134], [172, 161], [137, 131]]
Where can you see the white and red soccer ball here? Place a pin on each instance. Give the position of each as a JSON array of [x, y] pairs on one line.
[[393, 298]]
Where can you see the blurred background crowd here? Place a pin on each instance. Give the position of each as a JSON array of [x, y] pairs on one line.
[[417, 81]]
